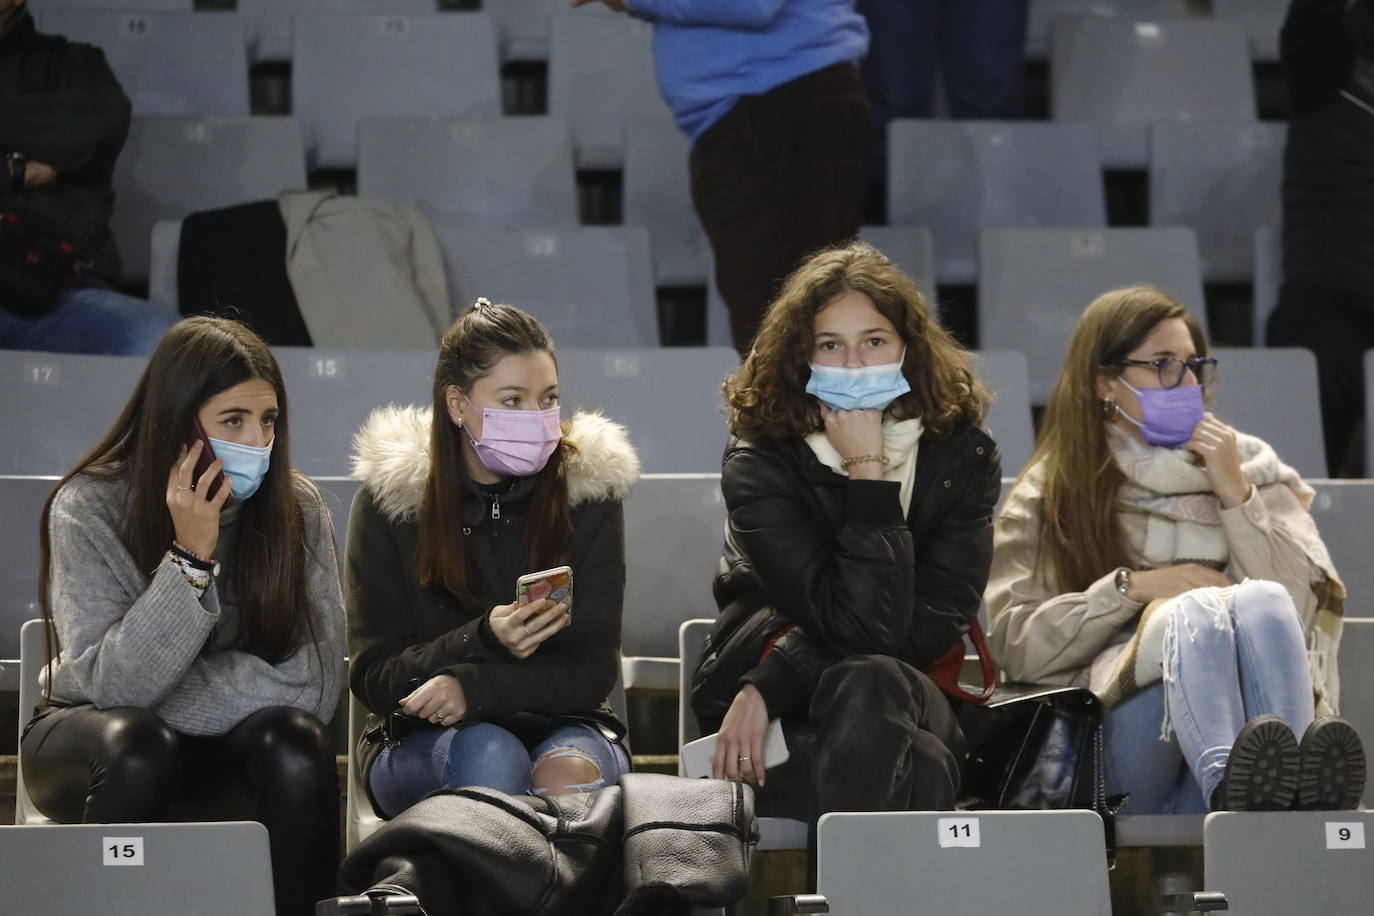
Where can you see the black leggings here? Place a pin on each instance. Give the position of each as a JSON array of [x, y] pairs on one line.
[[126, 765]]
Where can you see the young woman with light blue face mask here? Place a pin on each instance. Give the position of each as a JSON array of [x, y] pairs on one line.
[[1156, 555]]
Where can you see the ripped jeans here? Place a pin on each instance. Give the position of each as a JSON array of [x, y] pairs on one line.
[[484, 755], [1230, 654]]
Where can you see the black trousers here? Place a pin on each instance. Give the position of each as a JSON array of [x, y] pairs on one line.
[[879, 736], [1337, 325], [125, 765], [779, 176]]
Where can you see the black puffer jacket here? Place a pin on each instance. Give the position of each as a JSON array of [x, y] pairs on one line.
[[834, 559], [61, 105]]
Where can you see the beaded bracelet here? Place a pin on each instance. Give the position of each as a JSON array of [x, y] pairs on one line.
[[206, 564], [198, 579], [864, 459]]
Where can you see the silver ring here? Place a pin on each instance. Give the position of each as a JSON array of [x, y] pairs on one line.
[[744, 757], [527, 629], [183, 488]]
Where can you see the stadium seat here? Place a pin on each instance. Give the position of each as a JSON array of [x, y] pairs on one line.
[[1290, 862], [658, 197], [22, 500], [1262, 20], [957, 177], [33, 656], [169, 63], [591, 286], [1034, 283], [479, 171], [163, 251], [1342, 510], [1122, 75], [1036, 863], [669, 398], [1009, 418], [124, 6], [1221, 180], [439, 65], [175, 166], [1042, 14], [601, 73], [1268, 278], [523, 26], [1272, 393], [1357, 680], [911, 249], [268, 22], [338, 497]]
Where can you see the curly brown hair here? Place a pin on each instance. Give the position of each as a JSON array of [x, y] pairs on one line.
[[767, 397]]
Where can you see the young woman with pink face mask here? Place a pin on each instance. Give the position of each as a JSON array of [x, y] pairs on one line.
[[467, 685]]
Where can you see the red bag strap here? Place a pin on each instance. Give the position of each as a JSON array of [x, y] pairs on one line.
[[950, 685]]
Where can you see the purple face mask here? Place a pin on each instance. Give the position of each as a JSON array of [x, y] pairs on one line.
[[517, 443], [1169, 413]]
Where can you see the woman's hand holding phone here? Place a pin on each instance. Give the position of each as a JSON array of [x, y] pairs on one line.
[[195, 518], [740, 742], [522, 628]]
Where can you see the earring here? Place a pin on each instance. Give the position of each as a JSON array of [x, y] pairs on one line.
[[1110, 409], [460, 422]]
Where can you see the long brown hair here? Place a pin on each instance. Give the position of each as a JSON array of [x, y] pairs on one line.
[[1081, 537], [197, 359], [767, 397], [476, 342]]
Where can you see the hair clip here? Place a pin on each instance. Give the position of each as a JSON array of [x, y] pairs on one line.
[[481, 303]]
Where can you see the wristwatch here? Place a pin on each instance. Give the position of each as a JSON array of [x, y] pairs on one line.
[[17, 164], [1123, 581]]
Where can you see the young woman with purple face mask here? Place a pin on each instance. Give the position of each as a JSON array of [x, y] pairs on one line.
[[466, 685], [1168, 562]]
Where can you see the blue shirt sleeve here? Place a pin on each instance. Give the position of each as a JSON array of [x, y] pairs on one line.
[[736, 14]]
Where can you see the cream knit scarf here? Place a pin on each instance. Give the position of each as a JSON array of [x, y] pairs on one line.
[[901, 440]]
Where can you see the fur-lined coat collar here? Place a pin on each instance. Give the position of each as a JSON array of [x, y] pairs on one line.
[[391, 457]]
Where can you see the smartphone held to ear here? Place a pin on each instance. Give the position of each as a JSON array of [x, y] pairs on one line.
[[696, 755], [553, 585], [207, 458]]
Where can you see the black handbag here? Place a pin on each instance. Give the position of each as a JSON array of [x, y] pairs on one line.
[[36, 257]]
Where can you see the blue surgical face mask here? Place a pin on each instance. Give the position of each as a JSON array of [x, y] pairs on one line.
[[245, 465], [865, 388], [1169, 413]]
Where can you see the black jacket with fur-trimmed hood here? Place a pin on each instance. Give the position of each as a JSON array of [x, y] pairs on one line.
[[402, 633]]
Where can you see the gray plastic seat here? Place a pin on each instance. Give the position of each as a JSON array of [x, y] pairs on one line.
[[1034, 283], [349, 66], [1042, 14], [1268, 278], [1262, 20], [601, 73], [1221, 180], [523, 26], [169, 63], [164, 250], [1342, 510], [477, 171], [332, 392], [1290, 862], [21, 500], [591, 286], [957, 177], [124, 6], [1357, 681], [268, 22], [1009, 418], [911, 249], [1272, 393], [175, 166], [1032, 863], [658, 197], [33, 656], [669, 399], [1123, 75]]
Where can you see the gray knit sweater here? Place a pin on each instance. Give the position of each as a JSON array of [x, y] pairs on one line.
[[131, 640]]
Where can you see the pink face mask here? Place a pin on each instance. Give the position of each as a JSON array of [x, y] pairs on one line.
[[517, 443]]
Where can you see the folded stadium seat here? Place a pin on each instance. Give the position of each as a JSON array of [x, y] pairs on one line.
[[334, 391], [1291, 862], [658, 197], [601, 72], [438, 64], [1267, 278], [1342, 510], [1042, 14], [1272, 393], [479, 171], [523, 26], [267, 23], [22, 500], [957, 177], [1121, 75], [1221, 180], [668, 397], [1034, 283], [1262, 20], [592, 286], [1357, 669], [174, 166], [169, 63], [1009, 417], [33, 653]]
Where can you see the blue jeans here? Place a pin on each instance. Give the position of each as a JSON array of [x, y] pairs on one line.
[[90, 320], [1234, 654], [483, 755]]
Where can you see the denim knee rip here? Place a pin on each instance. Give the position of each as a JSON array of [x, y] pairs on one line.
[[579, 754]]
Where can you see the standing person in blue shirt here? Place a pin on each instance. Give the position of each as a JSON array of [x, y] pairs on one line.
[[769, 92]]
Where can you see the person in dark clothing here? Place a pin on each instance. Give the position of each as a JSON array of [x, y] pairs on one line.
[[459, 500], [860, 492], [63, 122], [1326, 302]]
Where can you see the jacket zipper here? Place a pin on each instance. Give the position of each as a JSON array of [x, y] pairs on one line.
[[495, 506]]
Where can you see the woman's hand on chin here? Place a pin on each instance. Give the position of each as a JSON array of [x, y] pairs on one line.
[[854, 434]]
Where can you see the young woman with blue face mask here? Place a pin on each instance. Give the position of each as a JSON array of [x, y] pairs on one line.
[[199, 640], [467, 685], [1168, 562], [860, 488]]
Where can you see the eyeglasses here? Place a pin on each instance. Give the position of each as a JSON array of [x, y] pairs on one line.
[[1172, 370]]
